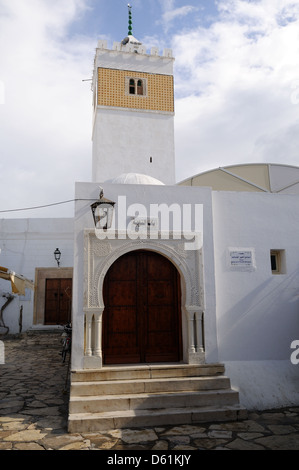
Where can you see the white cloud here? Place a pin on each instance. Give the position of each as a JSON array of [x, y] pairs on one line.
[[235, 87], [44, 140], [237, 92], [171, 13]]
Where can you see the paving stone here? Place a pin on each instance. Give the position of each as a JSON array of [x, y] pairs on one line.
[[4, 434], [47, 411], [178, 439], [236, 426], [34, 406], [51, 423], [54, 401], [8, 406], [76, 446], [208, 443], [26, 436], [9, 419], [159, 430], [287, 442], [220, 434], [102, 442], [28, 446], [160, 445], [268, 416], [230, 426], [240, 444], [5, 445], [281, 429], [184, 448], [130, 447], [117, 433], [253, 426], [136, 436], [184, 430], [249, 435], [14, 426], [56, 442]]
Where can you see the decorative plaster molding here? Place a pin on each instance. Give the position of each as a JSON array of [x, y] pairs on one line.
[[101, 254]]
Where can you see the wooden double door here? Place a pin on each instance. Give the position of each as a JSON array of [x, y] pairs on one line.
[[58, 301], [142, 316]]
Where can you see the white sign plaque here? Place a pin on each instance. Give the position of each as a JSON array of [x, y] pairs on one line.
[[241, 259]]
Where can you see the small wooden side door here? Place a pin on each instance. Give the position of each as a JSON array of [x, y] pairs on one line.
[[58, 301]]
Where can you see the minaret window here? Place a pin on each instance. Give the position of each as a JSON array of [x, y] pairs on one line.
[[139, 87], [135, 86], [132, 87]]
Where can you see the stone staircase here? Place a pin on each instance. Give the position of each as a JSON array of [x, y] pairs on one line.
[[151, 395]]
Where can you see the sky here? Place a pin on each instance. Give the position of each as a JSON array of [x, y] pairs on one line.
[[236, 88]]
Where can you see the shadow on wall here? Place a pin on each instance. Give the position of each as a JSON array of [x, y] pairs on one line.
[[263, 324]]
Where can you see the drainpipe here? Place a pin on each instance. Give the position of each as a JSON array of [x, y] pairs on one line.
[[21, 319], [9, 298]]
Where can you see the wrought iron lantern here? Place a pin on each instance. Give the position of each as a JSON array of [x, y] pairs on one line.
[[57, 256], [102, 211]]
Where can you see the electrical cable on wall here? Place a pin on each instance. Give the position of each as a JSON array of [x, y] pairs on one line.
[[46, 205]]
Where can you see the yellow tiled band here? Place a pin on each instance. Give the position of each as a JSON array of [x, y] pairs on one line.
[[112, 90]]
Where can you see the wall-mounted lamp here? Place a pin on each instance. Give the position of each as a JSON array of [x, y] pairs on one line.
[[57, 256], [102, 211]]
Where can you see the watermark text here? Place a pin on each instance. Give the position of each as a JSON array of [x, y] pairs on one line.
[[154, 221], [295, 354]]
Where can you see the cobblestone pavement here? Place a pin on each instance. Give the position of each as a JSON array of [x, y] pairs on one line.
[[34, 404]]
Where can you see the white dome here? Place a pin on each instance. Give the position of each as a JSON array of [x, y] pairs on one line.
[[135, 178]]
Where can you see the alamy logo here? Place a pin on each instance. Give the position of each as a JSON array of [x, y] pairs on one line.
[[164, 221], [2, 358], [295, 354]]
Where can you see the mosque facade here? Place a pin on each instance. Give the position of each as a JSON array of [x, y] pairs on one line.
[[194, 274]]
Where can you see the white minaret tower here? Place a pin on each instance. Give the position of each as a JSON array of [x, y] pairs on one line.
[[133, 126]]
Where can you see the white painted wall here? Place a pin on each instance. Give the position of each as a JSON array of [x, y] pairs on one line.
[[258, 312], [25, 245], [251, 317], [124, 140], [124, 59], [145, 195]]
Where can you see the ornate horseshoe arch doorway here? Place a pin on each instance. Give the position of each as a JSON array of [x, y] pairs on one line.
[[142, 316]]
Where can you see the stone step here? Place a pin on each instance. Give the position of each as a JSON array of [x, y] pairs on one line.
[[93, 422], [151, 395], [143, 401], [178, 384], [147, 372]]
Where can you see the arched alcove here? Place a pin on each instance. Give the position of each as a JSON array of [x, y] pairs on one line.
[[102, 256]]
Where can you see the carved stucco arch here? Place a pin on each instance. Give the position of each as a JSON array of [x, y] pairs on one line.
[[101, 256], [159, 248]]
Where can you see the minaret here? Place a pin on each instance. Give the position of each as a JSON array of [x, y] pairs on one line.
[[133, 125]]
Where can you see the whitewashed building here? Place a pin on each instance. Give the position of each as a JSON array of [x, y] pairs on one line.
[[27, 249], [188, 304]]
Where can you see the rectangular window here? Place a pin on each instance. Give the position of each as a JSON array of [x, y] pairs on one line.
[[277, 259], [135, 86], [132, 87], [140, 87]]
